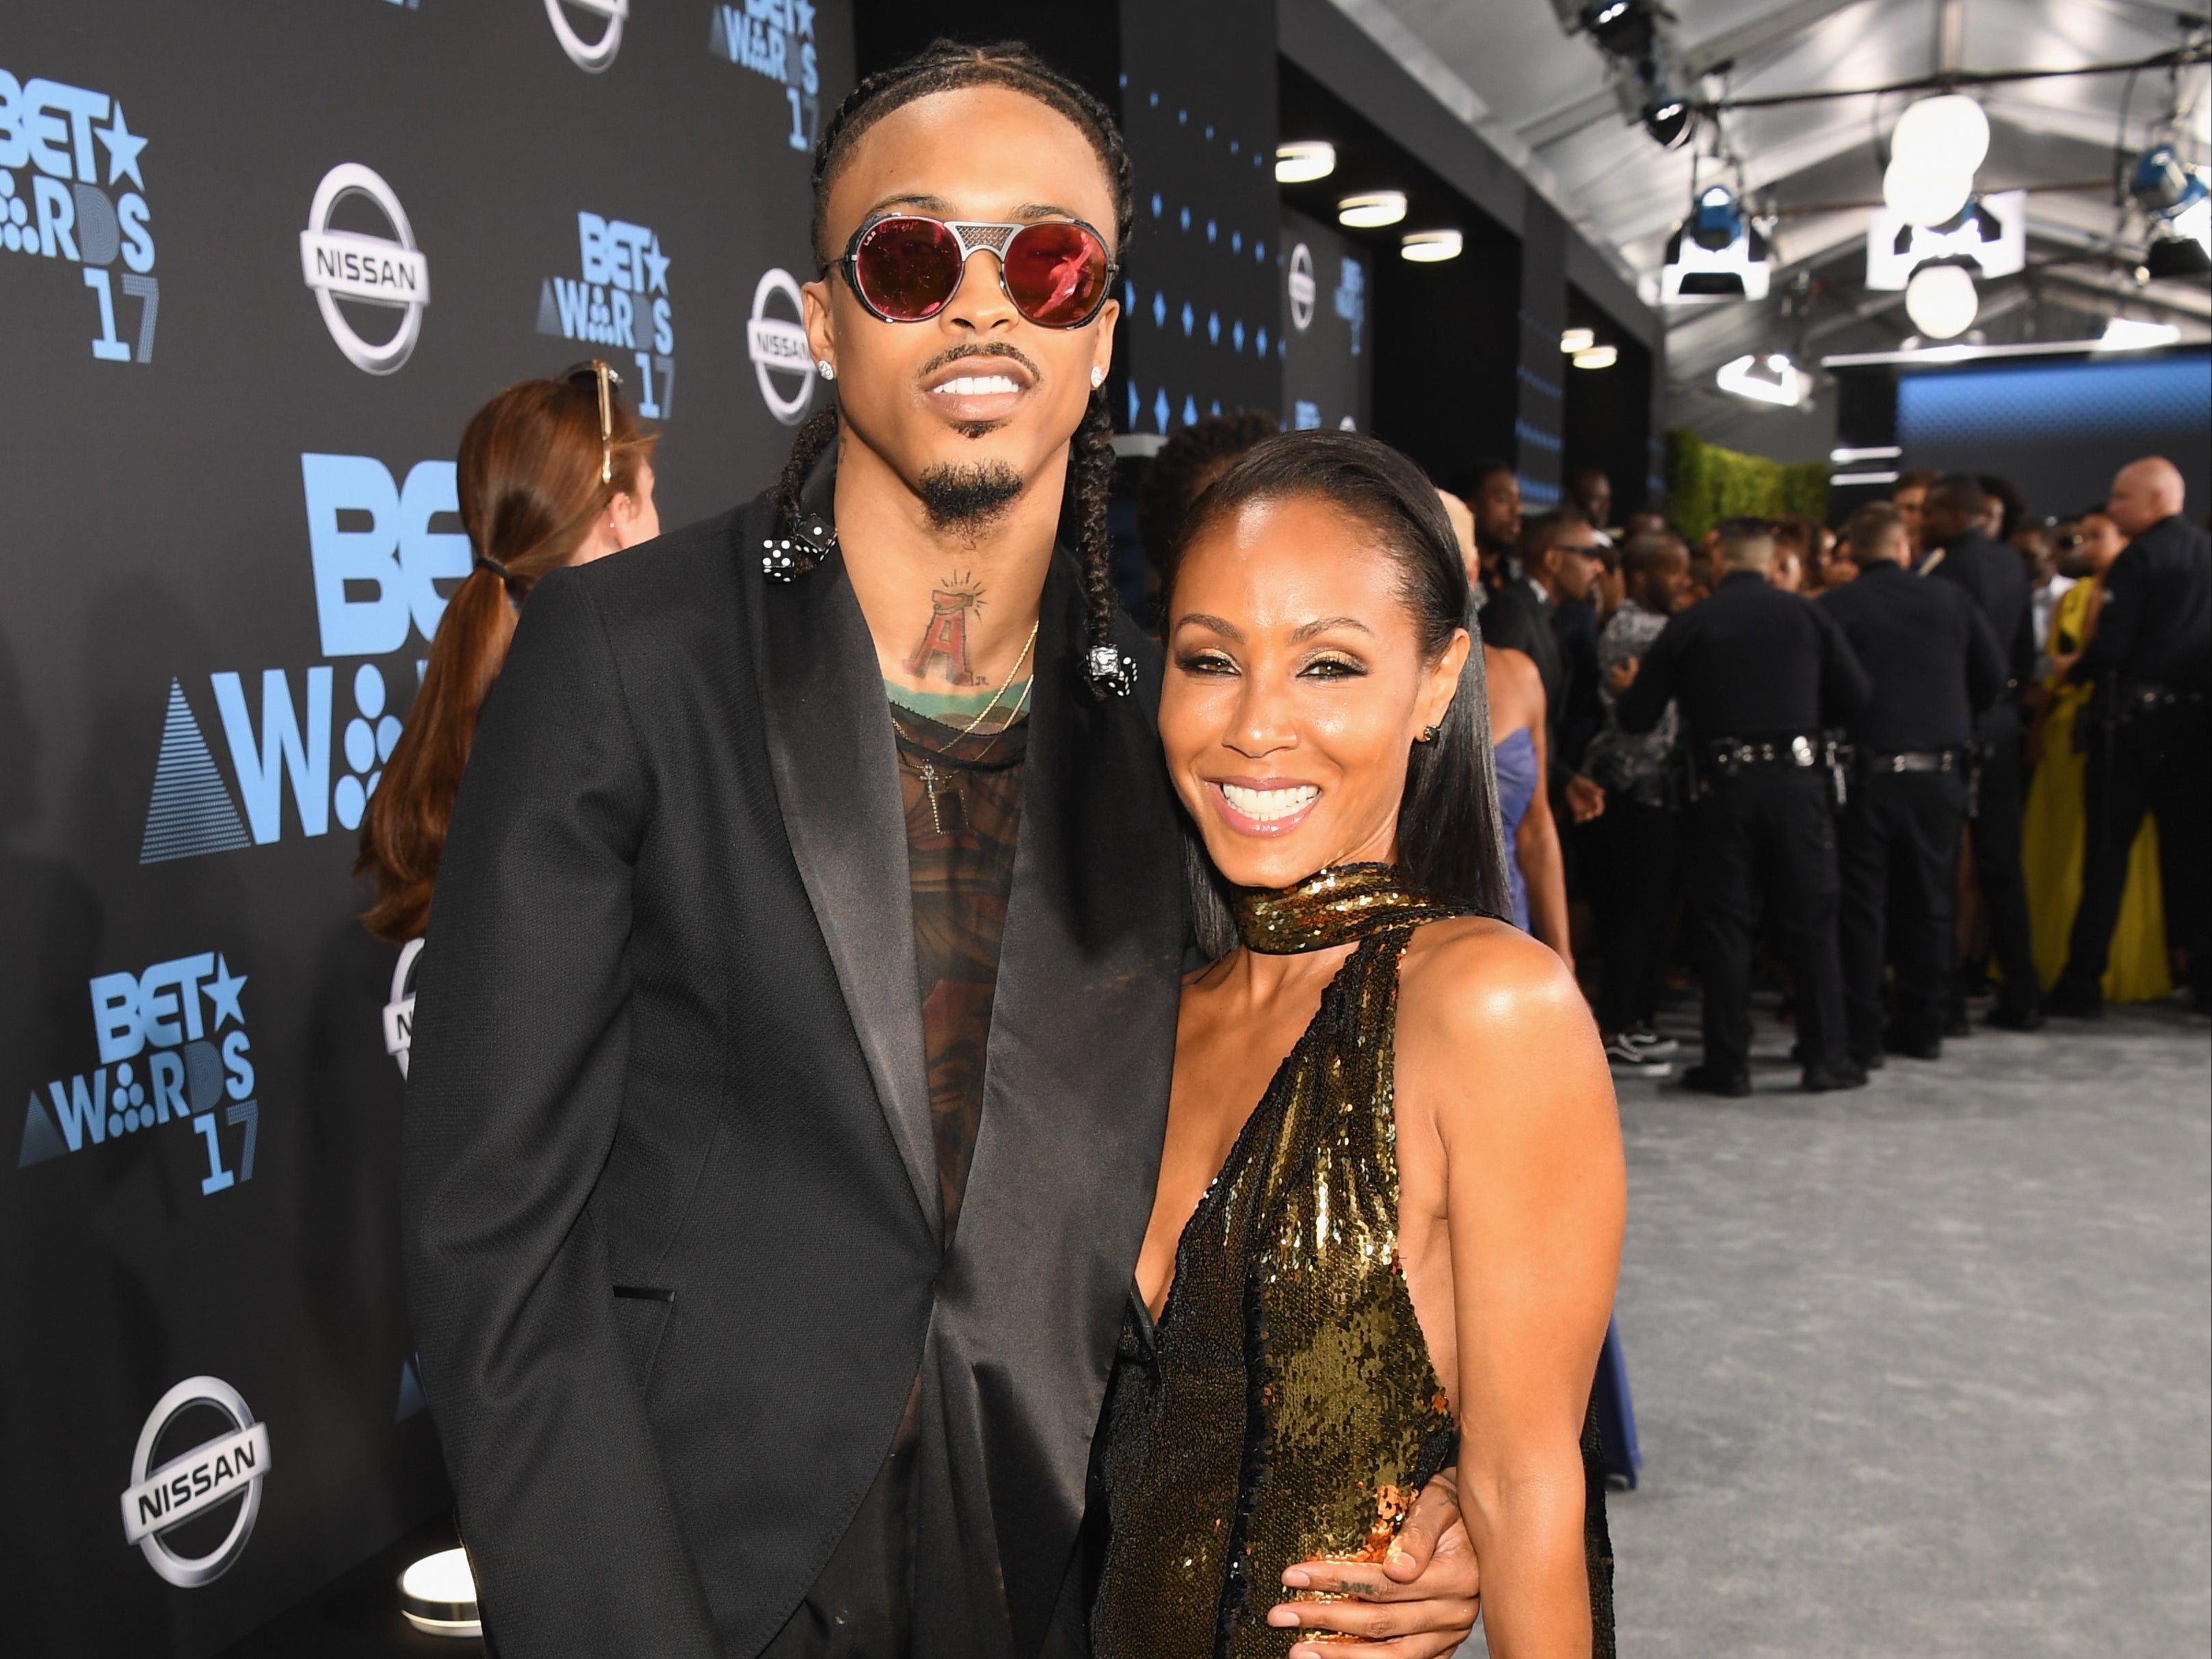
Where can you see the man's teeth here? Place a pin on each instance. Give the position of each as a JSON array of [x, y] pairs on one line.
[[977, 385], [1265, 805]]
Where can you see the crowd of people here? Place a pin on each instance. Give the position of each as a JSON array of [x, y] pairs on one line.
[[1896, 803]]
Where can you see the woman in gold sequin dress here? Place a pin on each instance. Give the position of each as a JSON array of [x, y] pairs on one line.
[[1388, 1216]]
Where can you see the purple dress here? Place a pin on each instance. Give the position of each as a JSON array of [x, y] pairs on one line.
[[1516, 787]]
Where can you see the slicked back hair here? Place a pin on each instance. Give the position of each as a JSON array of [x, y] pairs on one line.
[[950, 66]]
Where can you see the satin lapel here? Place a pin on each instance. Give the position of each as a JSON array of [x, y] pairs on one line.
[[1075, 1106], [836, 778]]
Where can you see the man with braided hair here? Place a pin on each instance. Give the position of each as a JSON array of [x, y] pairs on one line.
[[789, 1081]]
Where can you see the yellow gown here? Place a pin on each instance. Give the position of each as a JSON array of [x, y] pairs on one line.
[[2054, 831]]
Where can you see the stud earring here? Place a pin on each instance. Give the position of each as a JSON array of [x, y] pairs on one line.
[[1429, 733], [827, 369], [1098, 378]]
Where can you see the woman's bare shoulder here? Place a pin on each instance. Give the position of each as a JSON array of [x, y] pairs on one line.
[[1482, 988]]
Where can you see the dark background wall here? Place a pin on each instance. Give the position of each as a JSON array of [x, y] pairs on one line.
[[189, 718]]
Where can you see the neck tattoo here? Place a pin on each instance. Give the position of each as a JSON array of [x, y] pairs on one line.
[[943, 649]]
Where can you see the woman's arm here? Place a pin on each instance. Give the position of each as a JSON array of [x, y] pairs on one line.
[[1536, 849], [1497, 1052]]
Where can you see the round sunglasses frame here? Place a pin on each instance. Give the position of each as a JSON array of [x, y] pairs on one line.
[[994, 245]]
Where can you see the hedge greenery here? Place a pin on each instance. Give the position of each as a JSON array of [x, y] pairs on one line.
[[1706, 484]]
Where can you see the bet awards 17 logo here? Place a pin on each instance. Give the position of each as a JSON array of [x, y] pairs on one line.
[[388, 273], [72, 188], [591, 56], [376, 563], [173, 1050], [190, 1482], [619, 300], [775, 39]]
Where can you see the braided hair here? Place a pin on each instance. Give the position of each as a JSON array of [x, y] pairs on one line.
[[947, 66]]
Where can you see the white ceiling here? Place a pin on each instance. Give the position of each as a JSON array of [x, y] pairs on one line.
[[1507, 68]]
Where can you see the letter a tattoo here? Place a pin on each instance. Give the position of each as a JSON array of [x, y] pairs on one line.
[[944, 647]]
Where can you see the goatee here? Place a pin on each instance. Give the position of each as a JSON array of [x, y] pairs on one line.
[[968, 497]]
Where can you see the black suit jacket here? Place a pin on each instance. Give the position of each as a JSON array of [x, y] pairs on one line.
[[670, 1197], [2154, 622], [1996, 579]]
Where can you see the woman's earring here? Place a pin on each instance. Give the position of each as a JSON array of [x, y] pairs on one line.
[[1429, 733], [1098, 378], [827, 369]]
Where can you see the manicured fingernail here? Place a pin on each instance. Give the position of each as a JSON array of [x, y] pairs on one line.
[[1297, 1578], [1281, 1615], [1396, 1556]]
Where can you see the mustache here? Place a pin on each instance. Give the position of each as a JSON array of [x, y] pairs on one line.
[[977, 348]]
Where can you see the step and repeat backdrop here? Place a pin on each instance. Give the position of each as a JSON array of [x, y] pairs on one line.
[[258, 264]]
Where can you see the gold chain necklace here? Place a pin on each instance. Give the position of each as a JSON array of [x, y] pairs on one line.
[[984, 713]]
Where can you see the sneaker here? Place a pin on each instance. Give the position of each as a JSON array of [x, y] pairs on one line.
[[1629, 1060], [1654, 1045]]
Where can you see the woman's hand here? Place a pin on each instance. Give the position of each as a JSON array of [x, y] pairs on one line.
[[1418, 1602]]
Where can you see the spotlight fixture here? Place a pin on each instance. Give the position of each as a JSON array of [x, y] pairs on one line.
[[1577, 339], [1372, 211], [2170, 256], [1303, 161], [2127, 334], [1768, 379], [1667, 119], [1597, 356], [437, 1595], [1429, 247], [1622, 28], [1940, 301], [1949, 134], [1921, 194], [1715, 254], [1990, 234]]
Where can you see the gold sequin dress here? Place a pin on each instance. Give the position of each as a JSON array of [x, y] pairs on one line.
[[1284, 1408]]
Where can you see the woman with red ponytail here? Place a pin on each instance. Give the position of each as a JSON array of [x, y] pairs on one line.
[[551, 472]]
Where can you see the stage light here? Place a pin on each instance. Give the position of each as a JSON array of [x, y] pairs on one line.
[[437, 1595], [2170, 257], [1949, 134], [1667, 119], [1925, 193], [1303, 161], [1771, 379], [1715, 254], [1604, 356], [1429, 247], [1717, 220], [1990, 236], [1940, 301], [2163, 185], [1577, 339], [1622, 28], [2127, 334], [1372, 211]]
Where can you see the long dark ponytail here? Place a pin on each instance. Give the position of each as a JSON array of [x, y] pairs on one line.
[[946, 66], [1451, 841]]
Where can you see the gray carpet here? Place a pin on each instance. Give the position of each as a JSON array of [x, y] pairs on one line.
[[1926, 1369]]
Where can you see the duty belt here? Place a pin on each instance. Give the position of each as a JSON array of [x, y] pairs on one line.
[[1729, 756], [1875, 763], [2142, 702]]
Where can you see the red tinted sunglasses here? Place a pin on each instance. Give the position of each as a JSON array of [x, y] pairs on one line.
[[906, 269]]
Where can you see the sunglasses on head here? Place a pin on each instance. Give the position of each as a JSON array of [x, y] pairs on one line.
[[604, 376], [905, 268]]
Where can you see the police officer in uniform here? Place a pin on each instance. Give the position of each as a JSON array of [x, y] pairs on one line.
[[1995, 578], [1935, 666], [2151, 660], [1757, 673]]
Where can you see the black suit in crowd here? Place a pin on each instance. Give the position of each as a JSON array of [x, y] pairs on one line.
[[1995, 578], [1755, 665], [672, 1203], [1515, 618], [1935, 665], [2151, 658]]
